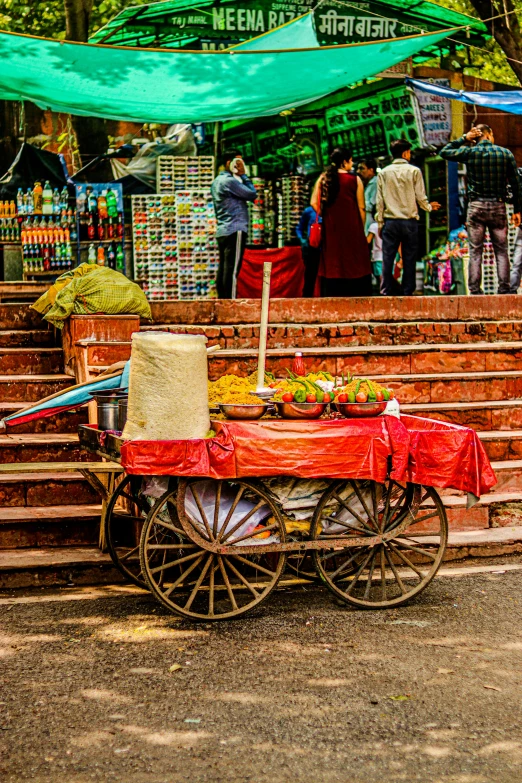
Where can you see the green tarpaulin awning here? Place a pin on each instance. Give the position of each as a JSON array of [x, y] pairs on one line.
[[166, 86]]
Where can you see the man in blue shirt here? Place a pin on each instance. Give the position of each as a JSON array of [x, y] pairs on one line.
[[311, 255], [231, 190], [367, 170]]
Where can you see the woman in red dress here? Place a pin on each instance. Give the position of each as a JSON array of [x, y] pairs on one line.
[[345, 267]]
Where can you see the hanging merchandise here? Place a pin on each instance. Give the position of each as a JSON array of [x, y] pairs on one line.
[[256, 210], [184, 173], [295, 199]]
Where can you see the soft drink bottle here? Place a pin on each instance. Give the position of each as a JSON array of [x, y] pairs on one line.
[[111, 256], [120, 259], [91, 230], [102, 206], [20, 201], [47, 199], [37, 198], [56, 201], [92, 202], [29, 208], [64, 198], [101, 231], [112, 204], [81, 203], [101, 256], [91, 257]]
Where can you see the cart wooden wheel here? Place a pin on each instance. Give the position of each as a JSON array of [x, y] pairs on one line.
[[124, 518], [195, 582], [385, 574]]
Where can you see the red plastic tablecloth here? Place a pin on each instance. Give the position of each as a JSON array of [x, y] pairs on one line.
[[287, 273], [414, 449]]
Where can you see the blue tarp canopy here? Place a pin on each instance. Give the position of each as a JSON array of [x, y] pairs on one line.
[[505, 100]]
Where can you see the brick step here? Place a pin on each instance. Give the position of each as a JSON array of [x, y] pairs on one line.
[[35, 526], [82, 565], [494, 510], [21, 316], [46, 489], [31, 388], [31, 361], [22, 338], [502, 445], [341, 310], [56, 566], [496, 415], [41, 447], [392, 359], [300, 335], [65, 422]]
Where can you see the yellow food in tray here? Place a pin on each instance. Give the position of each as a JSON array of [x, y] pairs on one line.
[[233, 390]]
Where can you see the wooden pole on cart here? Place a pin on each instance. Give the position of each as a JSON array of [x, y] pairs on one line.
[[263, 329]]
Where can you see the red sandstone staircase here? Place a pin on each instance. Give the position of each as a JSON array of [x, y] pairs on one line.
[[456, 359], [46, 511]]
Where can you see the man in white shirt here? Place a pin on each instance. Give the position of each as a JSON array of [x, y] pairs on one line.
[[400, 191]]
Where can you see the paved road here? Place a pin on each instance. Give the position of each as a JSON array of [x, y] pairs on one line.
[[306, 691]]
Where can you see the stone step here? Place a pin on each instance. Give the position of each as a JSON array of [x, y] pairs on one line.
[[22, 338], [68, 525], [46, 489], [30, 361], [496, 509], [502, 445], [21, 316], [300, 335], [341, 310], [41, 447], [64, 422], [84, 565], [389, 359], [484, 415], [56, 566], [31, 388]]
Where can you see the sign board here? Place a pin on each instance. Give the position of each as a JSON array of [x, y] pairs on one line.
[[224, 24], [368, 125], [435, 112]]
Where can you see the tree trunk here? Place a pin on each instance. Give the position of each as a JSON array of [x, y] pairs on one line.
[[90, 131], [505, 30]]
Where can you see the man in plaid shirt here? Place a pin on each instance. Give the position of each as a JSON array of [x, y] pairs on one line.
[[490, 169]]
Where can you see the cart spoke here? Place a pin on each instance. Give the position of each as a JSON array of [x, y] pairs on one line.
[[201, 511], [365, 531], [387, 506], [231, 512], [383, 574], [424, 518], [344, 566], [175, 562], [249, 563], [354, 513], [370, 576], [395, 573], [216, 509], [359, 572], [362, 501], [242, 521], [211, 590], [242, 578], [171, 546], [396, 512], [129, 553], [227, 583], [254, 533], [407, 562], [180, 579], [400, 542], [199, 581]]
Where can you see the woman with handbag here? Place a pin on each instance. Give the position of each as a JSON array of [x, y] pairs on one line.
[[345, 266]]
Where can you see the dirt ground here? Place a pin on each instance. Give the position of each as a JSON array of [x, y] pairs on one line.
[[102, 684]]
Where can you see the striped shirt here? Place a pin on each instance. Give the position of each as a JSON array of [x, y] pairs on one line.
[[490, 169]]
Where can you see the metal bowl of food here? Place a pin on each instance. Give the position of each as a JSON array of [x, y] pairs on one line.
[[301, 410], [243, 412], [360, 409]]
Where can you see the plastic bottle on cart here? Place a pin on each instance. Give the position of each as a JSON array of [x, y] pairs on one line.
[[56, 201], [37, 198], [47, 199], [64, 198], [100, 259], [28, 202], [81, 204], [298, 366], [111, 256], [91, 230], [91, 257], [92, 202], [20, 201]]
